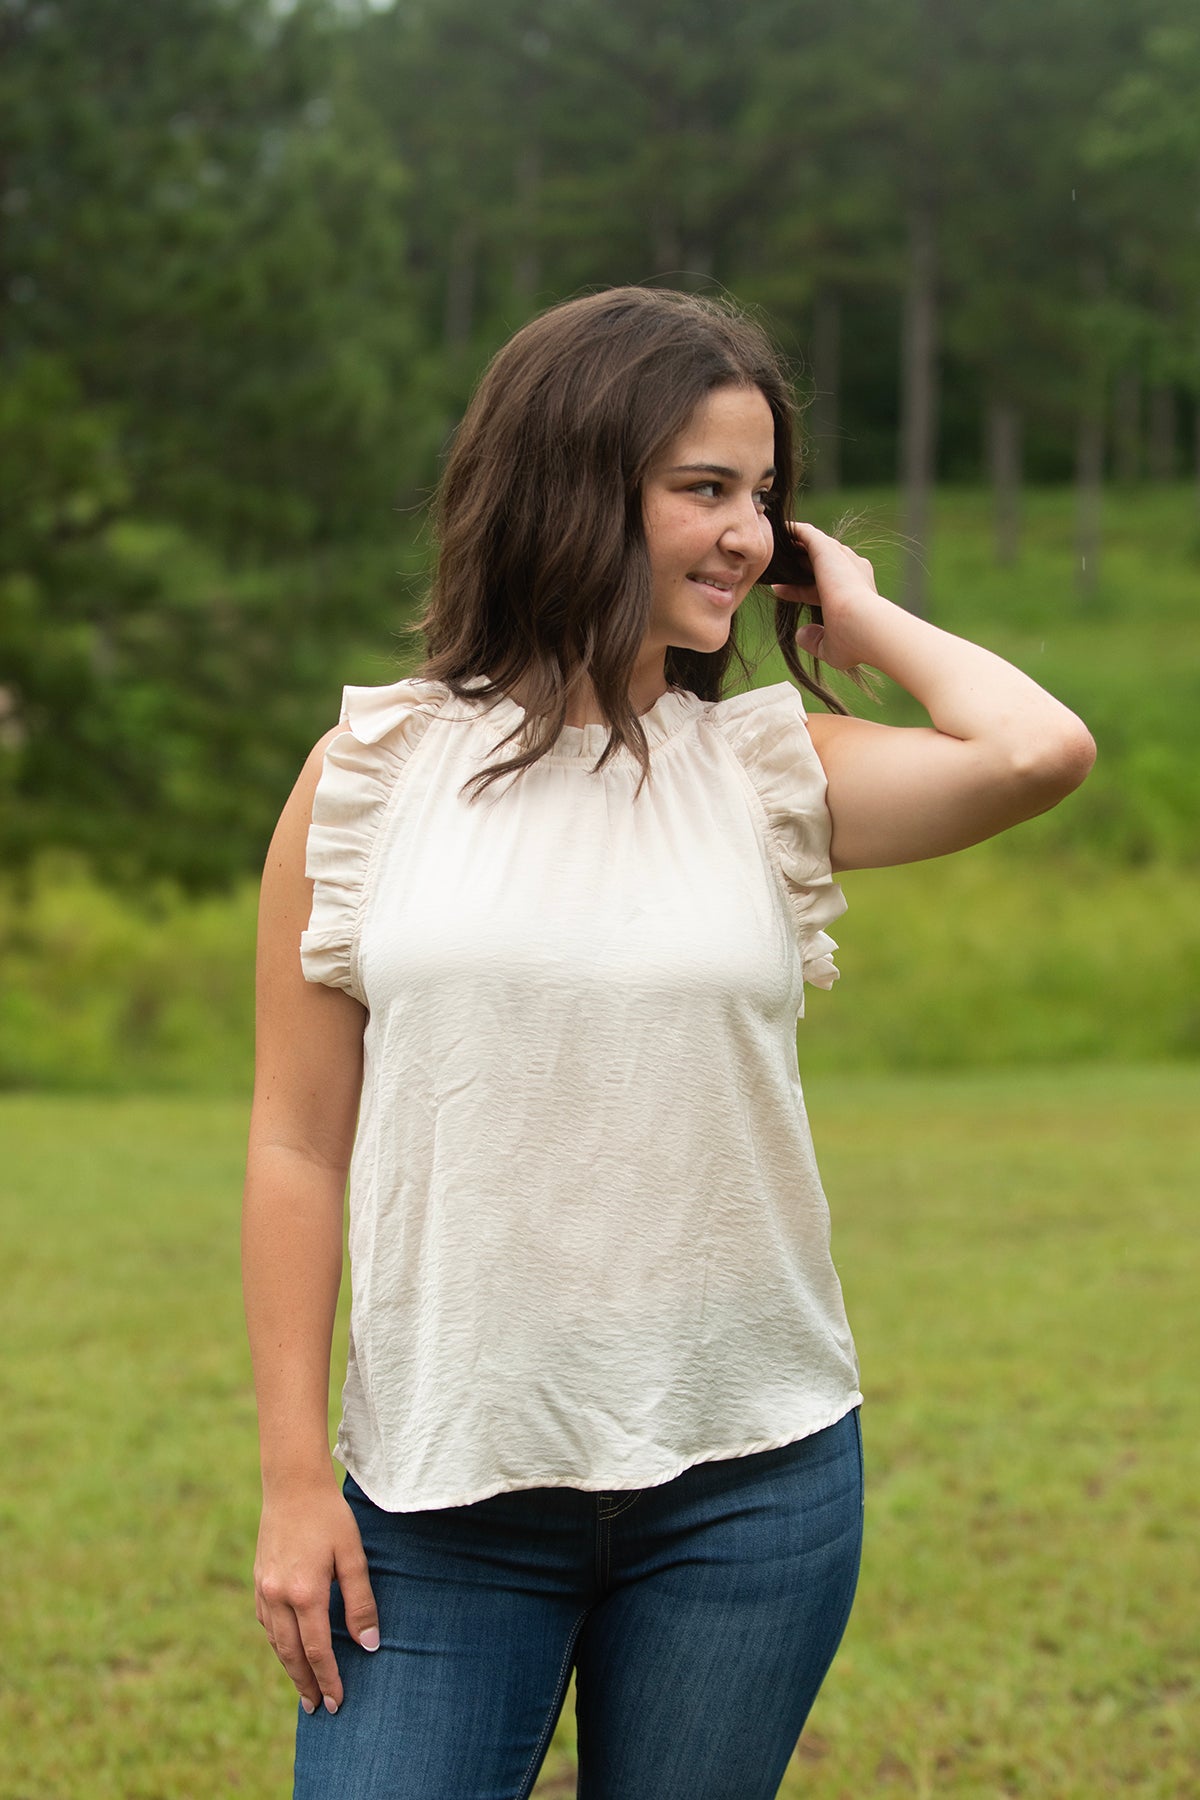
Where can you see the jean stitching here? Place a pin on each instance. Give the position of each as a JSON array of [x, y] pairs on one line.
[[862, 1473], [624, 1506], [602, 1545], [560, 1689]]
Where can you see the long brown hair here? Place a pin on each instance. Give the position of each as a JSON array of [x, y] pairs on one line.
[[543, 574]]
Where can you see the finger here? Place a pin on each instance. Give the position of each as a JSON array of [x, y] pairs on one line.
[[821, 543], [810, 638], [317, 1645], [358, 1601], [807, 534], [283, 1632]]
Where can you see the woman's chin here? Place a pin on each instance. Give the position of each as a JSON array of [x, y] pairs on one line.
[[706, 637]]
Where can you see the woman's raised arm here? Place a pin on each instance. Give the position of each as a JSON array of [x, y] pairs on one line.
[[1000, 749], [308, 1074]]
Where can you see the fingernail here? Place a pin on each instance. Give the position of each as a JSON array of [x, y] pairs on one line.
[[310, 1706], [330, 1705], [370, 1638]]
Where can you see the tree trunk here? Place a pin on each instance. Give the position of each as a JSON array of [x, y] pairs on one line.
[[666, 246], [460, 288], [1004, 469], [918, 399], [699, 260], [527, 263], [1163, 432], [1089, 480], [825, 471], [1127, 428]]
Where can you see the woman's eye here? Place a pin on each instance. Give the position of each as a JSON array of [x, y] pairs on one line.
[[714, 490]]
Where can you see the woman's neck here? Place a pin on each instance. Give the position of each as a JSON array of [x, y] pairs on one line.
[[645, 690]]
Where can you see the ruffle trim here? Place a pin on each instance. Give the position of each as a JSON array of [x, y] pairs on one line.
[[356, 783], [768, 733]]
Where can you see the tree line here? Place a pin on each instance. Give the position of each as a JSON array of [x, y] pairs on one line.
[[253, 256]]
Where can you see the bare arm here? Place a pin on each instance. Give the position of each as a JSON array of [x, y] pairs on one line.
[[308, 1069], [1000, 749]]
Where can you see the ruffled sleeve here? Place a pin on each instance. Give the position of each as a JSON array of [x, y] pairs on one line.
[[357, 780], [767, 732]]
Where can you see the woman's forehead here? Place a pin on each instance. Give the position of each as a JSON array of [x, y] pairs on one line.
[[728, 417]]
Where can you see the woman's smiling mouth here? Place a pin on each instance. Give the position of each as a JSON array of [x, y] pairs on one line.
[[720, 589]]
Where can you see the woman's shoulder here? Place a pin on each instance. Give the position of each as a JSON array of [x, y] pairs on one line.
[[778, 699], [374, 714], [766, 730], [764, 726], [350, 776]]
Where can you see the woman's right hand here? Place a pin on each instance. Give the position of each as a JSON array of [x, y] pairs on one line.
[[308, 1537], [308, 1082]]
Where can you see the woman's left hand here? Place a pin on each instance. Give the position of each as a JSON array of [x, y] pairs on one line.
[[845, 590], [999, 748]]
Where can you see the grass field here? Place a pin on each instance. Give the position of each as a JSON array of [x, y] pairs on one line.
[[1019, 1256]]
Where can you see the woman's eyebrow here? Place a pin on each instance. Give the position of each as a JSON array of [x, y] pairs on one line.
[[716, 469]]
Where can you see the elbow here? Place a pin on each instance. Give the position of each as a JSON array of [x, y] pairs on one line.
[[1058, 762]]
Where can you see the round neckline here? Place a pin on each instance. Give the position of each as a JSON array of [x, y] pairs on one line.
[[660, 722]]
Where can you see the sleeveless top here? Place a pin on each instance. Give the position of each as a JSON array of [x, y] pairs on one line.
[[589, 1246]]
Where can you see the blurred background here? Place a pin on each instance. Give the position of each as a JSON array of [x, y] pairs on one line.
[[253, 257]]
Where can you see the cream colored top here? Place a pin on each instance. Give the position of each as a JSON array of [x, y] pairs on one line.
[[588, 1241]]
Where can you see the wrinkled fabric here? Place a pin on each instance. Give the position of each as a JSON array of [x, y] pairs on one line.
[[589, 1244]]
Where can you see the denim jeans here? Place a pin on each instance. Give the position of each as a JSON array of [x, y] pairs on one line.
[[700, 1618]]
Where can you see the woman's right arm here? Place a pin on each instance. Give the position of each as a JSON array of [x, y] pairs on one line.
[[308, 1075]]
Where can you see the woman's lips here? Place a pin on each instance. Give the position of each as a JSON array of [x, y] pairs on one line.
[[721, 593]]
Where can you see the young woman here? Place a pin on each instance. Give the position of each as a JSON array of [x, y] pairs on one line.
[[535, 926]]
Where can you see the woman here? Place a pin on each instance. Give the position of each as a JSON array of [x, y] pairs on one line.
[[602, 1403]]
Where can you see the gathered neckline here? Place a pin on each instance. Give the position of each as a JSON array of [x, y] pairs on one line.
[[660, 722]]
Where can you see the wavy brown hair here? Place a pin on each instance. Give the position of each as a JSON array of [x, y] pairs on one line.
[[543, 574]]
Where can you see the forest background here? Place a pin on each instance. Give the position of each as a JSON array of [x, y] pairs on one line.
[[253, 257]]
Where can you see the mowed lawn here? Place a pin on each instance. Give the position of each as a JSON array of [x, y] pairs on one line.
[[1019, 1254]]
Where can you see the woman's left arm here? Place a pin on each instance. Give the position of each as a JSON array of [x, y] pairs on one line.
[[1000, 749]]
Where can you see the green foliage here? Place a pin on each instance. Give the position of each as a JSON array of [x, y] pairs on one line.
[[1068, 939], [987, 959], [226, 268], [160, 702], [990, 960], [99, 995], [1025, 1621], [255, 256], [1128, 661], [202, 431]]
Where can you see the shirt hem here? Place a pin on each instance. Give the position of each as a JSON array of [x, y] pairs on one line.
[[591, 1484]]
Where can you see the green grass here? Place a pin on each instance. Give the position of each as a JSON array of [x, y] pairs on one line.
[[1019, 1257]]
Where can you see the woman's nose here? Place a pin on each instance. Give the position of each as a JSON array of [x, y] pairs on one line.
[[747, 530]]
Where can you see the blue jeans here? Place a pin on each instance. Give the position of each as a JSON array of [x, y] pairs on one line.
[[700, 1618]]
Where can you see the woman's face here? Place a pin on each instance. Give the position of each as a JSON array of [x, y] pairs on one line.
[[708, 537]]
